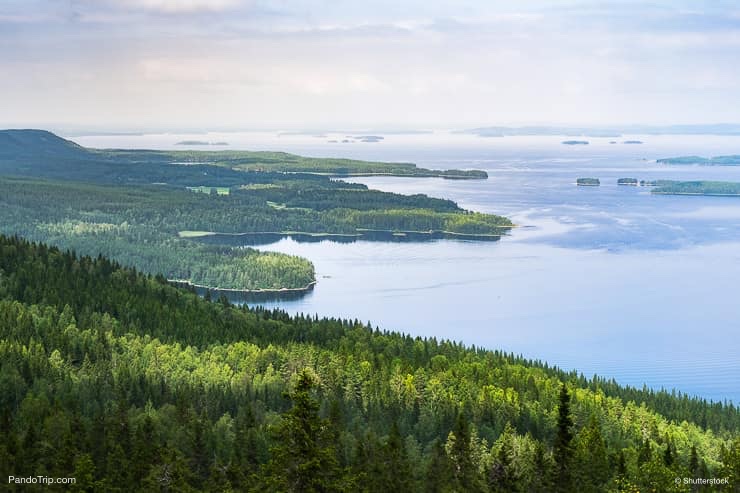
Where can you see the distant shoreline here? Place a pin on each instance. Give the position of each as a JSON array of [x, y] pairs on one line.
[[698, 193]]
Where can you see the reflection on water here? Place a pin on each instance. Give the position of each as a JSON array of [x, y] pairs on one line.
[[258, 239]]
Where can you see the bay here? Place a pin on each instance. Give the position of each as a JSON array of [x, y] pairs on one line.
[[609, 280]]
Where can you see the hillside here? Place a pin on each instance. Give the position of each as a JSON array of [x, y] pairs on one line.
[[39, 153], [23, 143], [129, 384], [138, 207]]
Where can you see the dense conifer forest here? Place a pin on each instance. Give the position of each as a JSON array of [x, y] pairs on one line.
[[142, 208], [127, 383]]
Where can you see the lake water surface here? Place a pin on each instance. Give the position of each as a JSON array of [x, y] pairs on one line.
[[609, 280]]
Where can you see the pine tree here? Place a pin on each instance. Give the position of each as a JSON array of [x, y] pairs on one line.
[[464, 471], [439, 472], [562, 448], [693, 461], [645, 453], [591, 459], [397, 470], [303, 459], [502, 476]]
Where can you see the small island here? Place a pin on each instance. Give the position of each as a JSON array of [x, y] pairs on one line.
[[369, 138], [200, 143], [632, 142], [575, 142], [627, 181], [588, 182]]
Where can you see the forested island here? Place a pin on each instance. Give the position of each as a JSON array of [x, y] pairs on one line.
[[717, 188], [731, 160], [200, 143], [575, 142], [627, 181], [143, 209], [127, 383], [588, 182]]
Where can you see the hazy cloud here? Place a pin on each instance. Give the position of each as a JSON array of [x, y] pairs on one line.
[[413, 62]]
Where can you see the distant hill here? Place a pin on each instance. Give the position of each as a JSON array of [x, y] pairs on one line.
[[42, 154], [17, 144]]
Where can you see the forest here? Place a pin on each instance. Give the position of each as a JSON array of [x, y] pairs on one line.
[[140, 207], [29, 153], [128, 383], [731, 160], [697, 188], [140, 225]]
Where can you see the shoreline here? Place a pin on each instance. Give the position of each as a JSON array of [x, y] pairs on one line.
[[359, 235], [378, 173], [698, 193], [305, 289]]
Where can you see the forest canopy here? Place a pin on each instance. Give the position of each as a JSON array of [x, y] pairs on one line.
[[127, 383]]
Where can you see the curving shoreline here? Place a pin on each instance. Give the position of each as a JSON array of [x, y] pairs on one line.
[[362, 233], [261, 291]]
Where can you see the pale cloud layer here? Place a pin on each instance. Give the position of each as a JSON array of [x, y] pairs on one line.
[[314, 63]]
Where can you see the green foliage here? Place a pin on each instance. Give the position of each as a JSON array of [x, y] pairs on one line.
[[131, 205], [562, 449], [139, 226], [731, 160], [28, 153], [119, 377], [698, 188], [303, 458]]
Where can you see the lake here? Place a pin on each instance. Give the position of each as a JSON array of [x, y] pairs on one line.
[[609, 280]]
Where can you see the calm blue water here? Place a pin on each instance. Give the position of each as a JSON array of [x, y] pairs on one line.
[[609, 280]]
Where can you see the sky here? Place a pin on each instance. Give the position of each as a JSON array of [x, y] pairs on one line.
[[318, 64]]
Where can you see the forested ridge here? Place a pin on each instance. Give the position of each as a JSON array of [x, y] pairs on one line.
[[25, 152], [130, 384], [131, 205]]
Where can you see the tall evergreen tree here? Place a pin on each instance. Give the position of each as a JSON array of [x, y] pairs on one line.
[[304, 460], [502, 475], [591, 461], [562, 448], [397, 470], [464, 470]]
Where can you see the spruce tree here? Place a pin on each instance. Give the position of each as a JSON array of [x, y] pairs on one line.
[[562, 448], [303, 459], [591, 459], [397, 469]]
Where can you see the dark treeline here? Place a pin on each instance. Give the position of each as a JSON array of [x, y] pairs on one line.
[[130, 384]]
